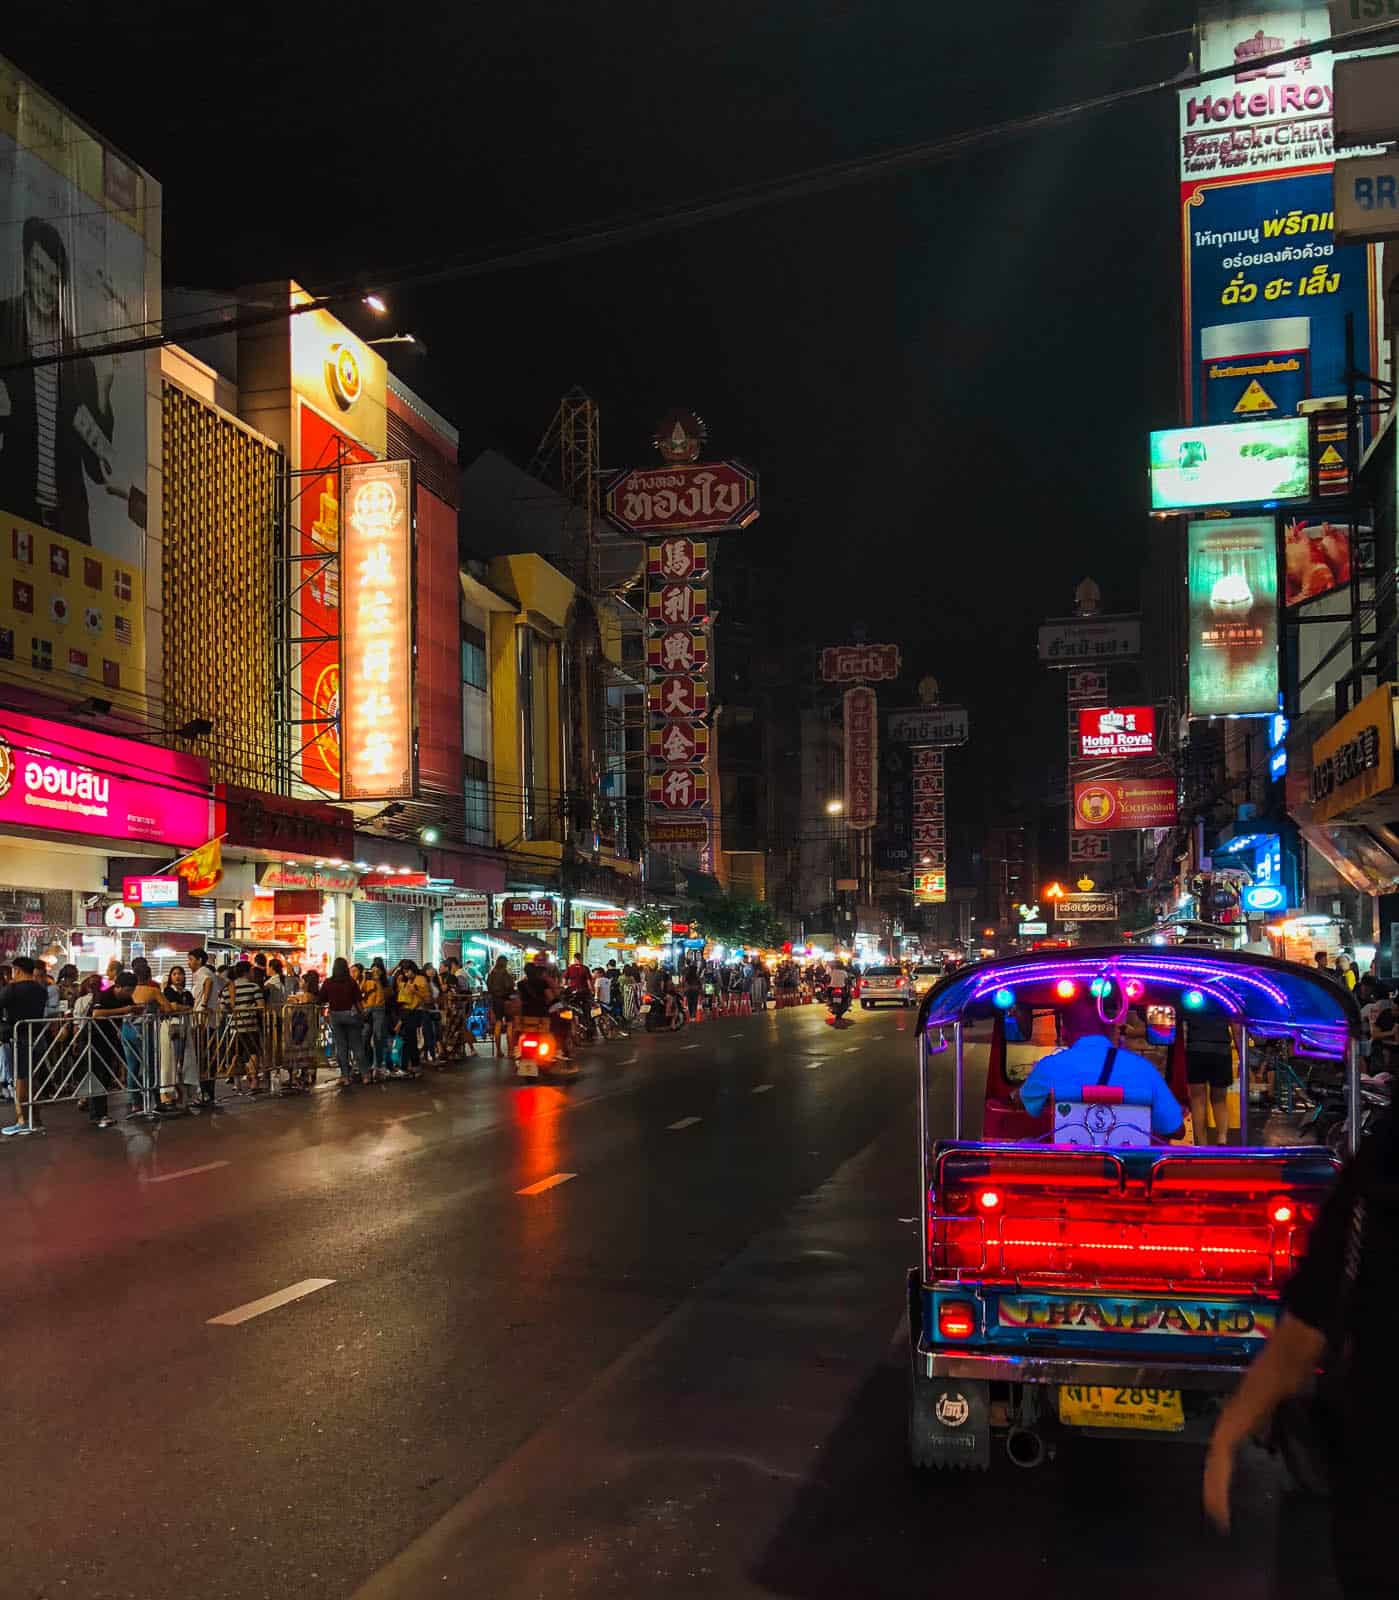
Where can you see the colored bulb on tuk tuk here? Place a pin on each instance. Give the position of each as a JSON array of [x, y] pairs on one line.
[[1003, 999], [1193, 999]]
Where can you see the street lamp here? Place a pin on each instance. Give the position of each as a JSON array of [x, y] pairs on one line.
[[375, 303], [834, 807]]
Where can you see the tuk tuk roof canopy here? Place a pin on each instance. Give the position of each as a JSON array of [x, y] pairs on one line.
[[1275, 998]]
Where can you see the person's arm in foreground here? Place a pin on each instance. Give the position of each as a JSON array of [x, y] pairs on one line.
[[1287, 1361]]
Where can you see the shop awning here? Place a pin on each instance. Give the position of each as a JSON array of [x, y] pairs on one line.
[[506, 936]]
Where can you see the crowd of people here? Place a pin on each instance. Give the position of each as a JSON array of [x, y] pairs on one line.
[[261, 1023]]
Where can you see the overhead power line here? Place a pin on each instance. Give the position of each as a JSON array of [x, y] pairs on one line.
[[733, 203]]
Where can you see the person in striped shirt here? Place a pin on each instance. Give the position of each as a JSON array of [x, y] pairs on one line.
[[244, 997]]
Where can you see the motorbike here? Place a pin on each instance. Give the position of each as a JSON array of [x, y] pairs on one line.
[[837, 1004]]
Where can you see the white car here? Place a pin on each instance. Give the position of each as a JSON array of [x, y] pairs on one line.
[[884, 986]]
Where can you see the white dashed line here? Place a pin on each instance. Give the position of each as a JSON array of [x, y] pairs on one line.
[[186, 1172], [411, 1115], [684, 1122], [551, 1182], [850, 1049], [269, 1302], [811, 1066], [762, 1088]]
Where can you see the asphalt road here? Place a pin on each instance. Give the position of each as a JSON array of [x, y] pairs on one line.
[[678, 1369]]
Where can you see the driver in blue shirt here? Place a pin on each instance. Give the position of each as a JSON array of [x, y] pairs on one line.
[[1061, 1076]]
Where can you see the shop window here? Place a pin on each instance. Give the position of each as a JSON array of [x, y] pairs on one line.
[[473, 657], [478, 802]]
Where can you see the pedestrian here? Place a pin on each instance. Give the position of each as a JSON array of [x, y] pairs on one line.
[[245, 1010], [692, 988], [413, 997], [500, 990], [454, 1003], [301, 1034], [1339, 1314], [374, 1001], [203, 1024], [432, 1015], [22, 1004], [142, 1044], [94, 1012], [1209, 1073], [176, 1031], [340, 996]]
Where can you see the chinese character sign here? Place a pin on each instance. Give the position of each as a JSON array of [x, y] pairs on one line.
[[861, 754], [677, 695], [1232, 578], [376, 690]]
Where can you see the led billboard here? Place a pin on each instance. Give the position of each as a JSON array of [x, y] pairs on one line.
[[1231, 464], [1232, 578]]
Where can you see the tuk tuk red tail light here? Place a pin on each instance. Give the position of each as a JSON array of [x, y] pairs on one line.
[[956, 1319]]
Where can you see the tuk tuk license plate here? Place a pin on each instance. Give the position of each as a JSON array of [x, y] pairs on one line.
[[1159, 1410]]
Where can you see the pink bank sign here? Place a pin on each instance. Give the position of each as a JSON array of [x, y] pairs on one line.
[[72, 780]]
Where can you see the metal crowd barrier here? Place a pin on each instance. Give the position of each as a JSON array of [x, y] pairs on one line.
[[140, 1058]]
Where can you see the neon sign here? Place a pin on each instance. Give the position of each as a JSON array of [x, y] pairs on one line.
[[377, 734]]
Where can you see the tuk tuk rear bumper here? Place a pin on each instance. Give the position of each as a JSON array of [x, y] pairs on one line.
[[1062, 1369]]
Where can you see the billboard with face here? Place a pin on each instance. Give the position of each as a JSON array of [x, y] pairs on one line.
[[79, 269]]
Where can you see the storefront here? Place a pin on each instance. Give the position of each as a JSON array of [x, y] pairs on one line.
[[1346, 806], [77, 806]]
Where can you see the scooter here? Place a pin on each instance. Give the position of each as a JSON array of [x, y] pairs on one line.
[[838, 1003], [539, 1054]]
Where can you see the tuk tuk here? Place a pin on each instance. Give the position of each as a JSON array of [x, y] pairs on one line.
[[1078, 1273]]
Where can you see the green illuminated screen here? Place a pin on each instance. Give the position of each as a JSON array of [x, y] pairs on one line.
[[1233, 464]]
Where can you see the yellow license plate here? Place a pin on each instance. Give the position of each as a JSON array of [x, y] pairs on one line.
[[1156, 1409]]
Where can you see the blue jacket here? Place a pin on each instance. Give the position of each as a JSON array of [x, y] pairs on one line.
[[1062, 1076]]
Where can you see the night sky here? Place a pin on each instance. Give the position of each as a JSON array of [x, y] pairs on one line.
[[944, 379]]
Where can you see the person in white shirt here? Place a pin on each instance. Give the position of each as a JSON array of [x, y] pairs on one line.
[[205, 989]]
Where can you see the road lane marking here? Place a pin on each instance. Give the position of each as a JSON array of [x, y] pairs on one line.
[[684, 1122], [762, 1088], [409, 1116], [186, 1172], [269, 1302], [850, 1049], [634, 1056], [551, 1182], [689, 1047]]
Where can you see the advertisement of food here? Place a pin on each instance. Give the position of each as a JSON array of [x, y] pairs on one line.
[[75, 262], [1232, 579], [1316, 559], [1266, 286], [1125, 803]]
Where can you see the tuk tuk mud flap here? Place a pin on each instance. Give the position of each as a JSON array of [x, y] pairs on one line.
[[950, 1422]]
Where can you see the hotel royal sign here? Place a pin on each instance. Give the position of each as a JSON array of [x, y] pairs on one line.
[[377, 730]]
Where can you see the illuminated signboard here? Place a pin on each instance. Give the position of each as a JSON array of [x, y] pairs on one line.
[[150, 891], [1232, 580], [376, 691], [1106, 733], [929, 888], [1231, 464], [861, 752]]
